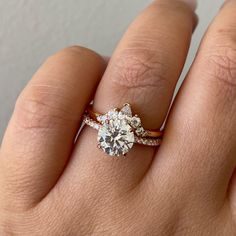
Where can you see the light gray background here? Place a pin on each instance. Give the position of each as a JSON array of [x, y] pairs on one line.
[[32, 30]]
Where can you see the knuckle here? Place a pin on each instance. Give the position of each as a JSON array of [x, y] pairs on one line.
[[222, 65], [139, 68], [221, 59], [72, 62], [40, 108]]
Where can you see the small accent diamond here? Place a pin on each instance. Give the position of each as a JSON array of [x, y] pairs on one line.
[[135, 122], [102, 118], [140, 131], [126, 109]]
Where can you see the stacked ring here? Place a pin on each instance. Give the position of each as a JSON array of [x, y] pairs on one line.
[[118, 130]]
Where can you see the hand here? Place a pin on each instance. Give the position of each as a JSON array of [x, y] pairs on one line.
[[51, 186]]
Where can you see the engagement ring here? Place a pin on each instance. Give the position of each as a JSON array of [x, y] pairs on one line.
[[118, 130]]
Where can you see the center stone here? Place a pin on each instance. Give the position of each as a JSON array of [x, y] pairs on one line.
[[116, 138]]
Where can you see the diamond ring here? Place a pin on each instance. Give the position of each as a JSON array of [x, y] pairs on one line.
[[118, 130]]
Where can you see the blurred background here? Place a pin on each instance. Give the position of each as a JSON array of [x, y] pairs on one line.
[[30, 31]]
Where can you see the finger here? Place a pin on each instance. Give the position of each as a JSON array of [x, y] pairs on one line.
[[202, 124], [147, 63], [143, 72], [41, 133]]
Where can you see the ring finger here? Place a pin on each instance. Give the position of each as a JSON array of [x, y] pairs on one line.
[[143, 71]]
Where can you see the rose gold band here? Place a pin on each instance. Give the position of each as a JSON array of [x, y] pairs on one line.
[[149, 133], [147, 141]]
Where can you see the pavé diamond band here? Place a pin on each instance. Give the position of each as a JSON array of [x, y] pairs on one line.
[[118, 130]]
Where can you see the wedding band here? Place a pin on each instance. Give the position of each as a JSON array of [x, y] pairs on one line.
[[118, 130]]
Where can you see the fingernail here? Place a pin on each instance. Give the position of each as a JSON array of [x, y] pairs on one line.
[[191, 3]]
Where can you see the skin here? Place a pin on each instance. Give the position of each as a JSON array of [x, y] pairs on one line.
[[50, 185]]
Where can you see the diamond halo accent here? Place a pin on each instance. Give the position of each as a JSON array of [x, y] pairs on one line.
[[118, 130]]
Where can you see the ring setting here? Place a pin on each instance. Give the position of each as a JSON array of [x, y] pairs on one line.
[[119, 130]]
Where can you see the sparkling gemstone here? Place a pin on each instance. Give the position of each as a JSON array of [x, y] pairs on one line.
[[112, 114], [116, 138], [126, 109], [135, 122], [140, 131], [102, 118]]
